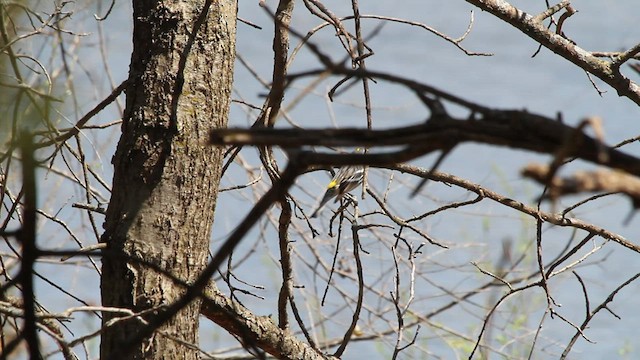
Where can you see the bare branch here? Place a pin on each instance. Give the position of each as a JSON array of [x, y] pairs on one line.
[[590, 316], [358, 306], [556, 219], [516, 129], [585, 181], [535, 29]]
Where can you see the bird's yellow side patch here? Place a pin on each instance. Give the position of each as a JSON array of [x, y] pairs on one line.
[[332, 184]]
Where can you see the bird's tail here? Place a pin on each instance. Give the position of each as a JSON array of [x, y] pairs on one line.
[[327, 196]]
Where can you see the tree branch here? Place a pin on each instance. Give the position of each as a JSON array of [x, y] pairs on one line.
[[533, 27], [254, 330], [511, 128]]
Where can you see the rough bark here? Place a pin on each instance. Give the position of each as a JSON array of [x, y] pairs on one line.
[[165, 176], [256, 332]]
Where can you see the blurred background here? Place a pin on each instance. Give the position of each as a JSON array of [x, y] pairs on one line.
[[96, 58]]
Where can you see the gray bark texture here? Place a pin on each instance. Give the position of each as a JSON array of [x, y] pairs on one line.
[[165, 176]]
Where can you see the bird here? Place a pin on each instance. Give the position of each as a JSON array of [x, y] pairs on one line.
[[346, 179]]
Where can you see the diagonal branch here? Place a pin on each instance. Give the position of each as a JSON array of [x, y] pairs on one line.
[[556, 219], [533, 27], [253, 330]]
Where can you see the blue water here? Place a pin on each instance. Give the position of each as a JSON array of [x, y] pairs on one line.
[[511, 78]]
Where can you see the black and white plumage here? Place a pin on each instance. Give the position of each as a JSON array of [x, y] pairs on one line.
[[347, 179]]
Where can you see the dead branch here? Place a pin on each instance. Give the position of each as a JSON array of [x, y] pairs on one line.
[[534, 27], [511, 128], [585, 181], [254, 330]]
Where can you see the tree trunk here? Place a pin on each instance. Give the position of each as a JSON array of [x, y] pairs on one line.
[[165, 177]]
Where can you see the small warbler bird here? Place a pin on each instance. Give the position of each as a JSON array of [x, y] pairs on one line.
[[347, 178]]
